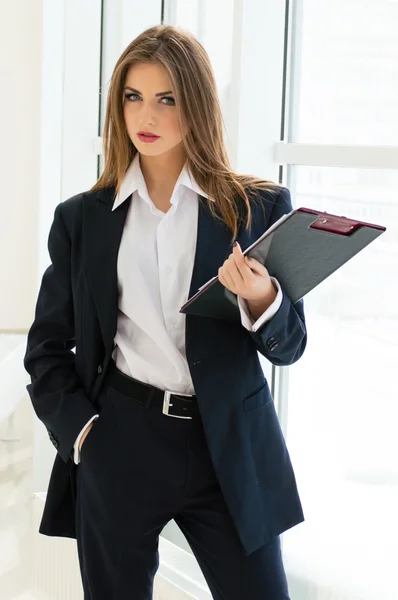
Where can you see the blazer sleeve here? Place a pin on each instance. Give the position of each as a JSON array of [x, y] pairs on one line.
[[56, 392], [282, 339]]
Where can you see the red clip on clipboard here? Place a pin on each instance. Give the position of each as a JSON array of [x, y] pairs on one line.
[[301, 250]]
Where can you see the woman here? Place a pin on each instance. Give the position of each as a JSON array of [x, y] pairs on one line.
[[157, 415]]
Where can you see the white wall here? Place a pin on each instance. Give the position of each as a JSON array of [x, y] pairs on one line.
[[49, 86], [20, 98]]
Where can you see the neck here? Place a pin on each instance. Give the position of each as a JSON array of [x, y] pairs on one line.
[[161, 172]]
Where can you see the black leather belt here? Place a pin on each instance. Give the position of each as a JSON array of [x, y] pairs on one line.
[[172, 404]]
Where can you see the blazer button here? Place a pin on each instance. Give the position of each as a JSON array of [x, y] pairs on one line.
[[100, 369], [274, 345]]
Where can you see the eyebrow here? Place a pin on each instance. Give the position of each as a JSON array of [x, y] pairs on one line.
[[137, 92]]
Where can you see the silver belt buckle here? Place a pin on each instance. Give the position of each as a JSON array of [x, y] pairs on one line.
[[167, 404]]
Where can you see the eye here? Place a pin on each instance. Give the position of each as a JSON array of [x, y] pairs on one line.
[[169, 98], [129, 96]]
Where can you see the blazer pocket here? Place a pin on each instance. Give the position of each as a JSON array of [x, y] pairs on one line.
[[258, 397], [102, 420]]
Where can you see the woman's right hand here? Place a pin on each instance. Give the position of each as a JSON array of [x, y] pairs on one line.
[[85, 434]]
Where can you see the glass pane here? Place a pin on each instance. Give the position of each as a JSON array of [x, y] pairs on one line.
[[212, 23], [345, 72], [343, 403]]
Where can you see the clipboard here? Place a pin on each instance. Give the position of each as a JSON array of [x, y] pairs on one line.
[[300, 250]]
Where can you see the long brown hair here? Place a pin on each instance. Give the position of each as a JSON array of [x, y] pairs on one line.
[[191, 75]]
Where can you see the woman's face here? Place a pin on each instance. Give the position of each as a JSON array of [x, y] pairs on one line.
[[149, 105]]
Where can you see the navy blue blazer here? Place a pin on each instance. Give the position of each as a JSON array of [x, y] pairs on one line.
[[71, 341]]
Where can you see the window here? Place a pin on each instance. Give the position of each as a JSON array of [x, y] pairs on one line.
[[339, 401], [342, 403], [345, 72]]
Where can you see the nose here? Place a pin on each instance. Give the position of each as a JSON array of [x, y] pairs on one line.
[[146, 117]]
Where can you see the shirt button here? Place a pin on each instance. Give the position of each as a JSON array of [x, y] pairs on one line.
[[168, 270], [173, 320]]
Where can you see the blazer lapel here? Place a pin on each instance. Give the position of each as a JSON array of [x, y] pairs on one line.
[[102, 231], [212, 247]]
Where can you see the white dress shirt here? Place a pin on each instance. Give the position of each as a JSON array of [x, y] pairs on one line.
[[154, 270]]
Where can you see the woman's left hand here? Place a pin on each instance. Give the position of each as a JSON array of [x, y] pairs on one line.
[[249, 279]]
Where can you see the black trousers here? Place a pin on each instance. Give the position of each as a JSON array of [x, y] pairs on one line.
[[139, 469]]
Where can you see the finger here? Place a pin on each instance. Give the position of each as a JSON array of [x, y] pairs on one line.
[[242, 266], [231, 282], [223, 281], [226, 279], [233, 272], [256, 266]]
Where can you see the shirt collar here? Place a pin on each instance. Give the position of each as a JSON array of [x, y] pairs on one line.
[[133, 180]]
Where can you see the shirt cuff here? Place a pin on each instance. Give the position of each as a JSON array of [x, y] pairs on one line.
[[247, 320], [76, 453]]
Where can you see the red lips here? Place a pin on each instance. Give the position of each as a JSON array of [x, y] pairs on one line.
[[147, 134]]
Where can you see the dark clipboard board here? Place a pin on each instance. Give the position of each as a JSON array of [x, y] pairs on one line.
[[301, 250]]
